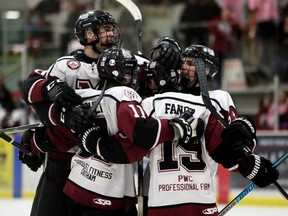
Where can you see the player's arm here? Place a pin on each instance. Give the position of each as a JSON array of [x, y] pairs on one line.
[[235, 152], [137, 134]]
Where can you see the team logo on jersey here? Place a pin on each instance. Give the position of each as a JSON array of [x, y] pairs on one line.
[[102, 202], [73, 64], [210, 211]]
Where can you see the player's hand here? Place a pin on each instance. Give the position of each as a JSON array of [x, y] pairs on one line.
[[167, 54], [76, 118], [187, 128], [259, 170], [33, 161], [87, 140], [240, 136], [60, 92]]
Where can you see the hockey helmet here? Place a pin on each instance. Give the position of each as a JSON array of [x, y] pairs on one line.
[[92, 20], [208, 55], [117, 64]]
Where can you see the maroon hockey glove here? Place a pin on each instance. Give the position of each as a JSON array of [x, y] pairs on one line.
[[259, 170], [60, 92]]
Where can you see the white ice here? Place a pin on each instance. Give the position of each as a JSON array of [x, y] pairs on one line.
[[21, 207]]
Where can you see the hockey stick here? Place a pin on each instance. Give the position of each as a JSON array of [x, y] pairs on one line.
[[19, 129], [98, 100], [14, 143], [136, 13], [202, 77], [248, 189]]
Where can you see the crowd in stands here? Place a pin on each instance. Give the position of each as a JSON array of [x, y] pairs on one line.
[[252, 30], [265, 118]]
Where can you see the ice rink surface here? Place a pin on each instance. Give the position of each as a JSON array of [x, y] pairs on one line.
[[21, 207]]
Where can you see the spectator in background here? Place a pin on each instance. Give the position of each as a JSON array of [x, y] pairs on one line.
[[7, 104], [194, 18], [282, 111], [238, 18], [46, 7], [262, 113], [222, 30], [5, 96], [280, 65], [40, 32], [263, 22], [75, 10]]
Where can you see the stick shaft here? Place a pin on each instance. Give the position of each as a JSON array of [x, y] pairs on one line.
[[13, 142], [20, 128]]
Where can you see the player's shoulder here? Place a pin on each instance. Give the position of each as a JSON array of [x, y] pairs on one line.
[[123, 93], [222, 98], [141, 59], [69, 62]]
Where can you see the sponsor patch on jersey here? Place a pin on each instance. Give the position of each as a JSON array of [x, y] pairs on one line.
[[73, 64]]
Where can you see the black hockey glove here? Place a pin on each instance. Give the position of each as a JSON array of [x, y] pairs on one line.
[[33, 161], [88, 139], [187, 128], [60, 92], [239, 141], [167, 54], [76, 118], [259, 170]]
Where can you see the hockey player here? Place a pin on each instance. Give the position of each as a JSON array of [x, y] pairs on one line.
[[99, 185], [182, 177], [51, 94]]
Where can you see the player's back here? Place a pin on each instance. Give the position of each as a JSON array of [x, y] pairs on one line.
[[180, 174]]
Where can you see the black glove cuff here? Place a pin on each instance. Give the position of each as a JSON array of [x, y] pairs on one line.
[[88, 140], [253, 171]]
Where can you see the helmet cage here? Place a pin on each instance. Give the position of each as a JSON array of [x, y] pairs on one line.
[[162, 77]]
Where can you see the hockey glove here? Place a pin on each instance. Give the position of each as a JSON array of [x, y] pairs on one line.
[[60, 92], [259, 170], [187, 128], [75, 118], [88, 140], [167, 54], [239, 141], [33, 161]]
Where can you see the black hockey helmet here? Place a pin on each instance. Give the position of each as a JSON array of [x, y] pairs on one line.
[[208, 55], [117, 64], [92, 20], [166, 62]]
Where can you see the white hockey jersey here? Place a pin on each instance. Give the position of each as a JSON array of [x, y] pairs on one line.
[[185, 174], [92, 180]]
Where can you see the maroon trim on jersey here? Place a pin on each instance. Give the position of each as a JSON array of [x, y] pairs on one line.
[[62, 138], [214, 129], [51, 114], [61, 156], [166, 131], [193, 209], [35, 94], [95, 200]]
